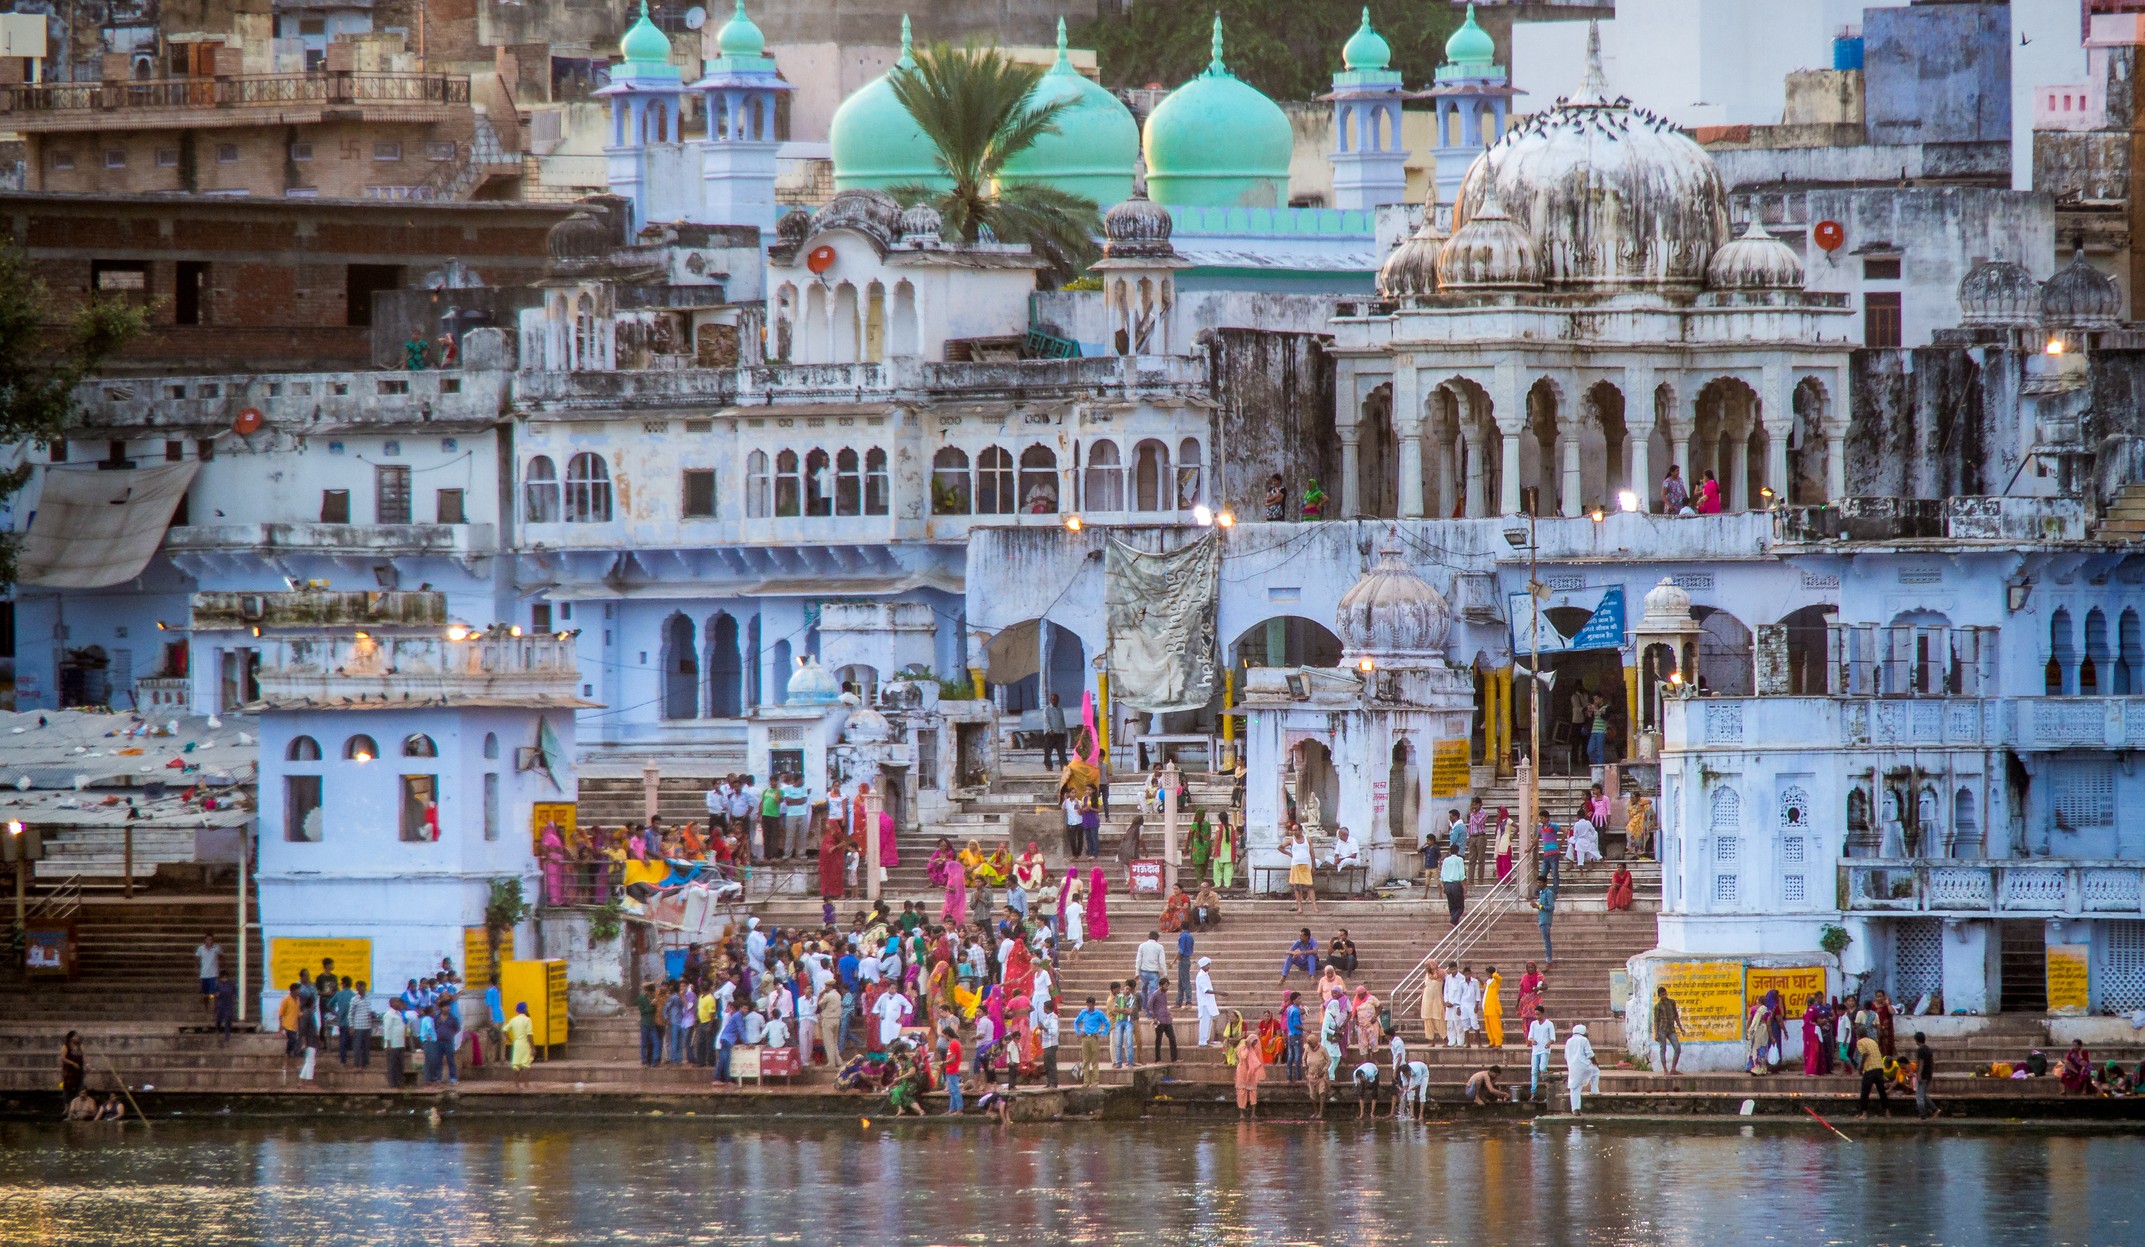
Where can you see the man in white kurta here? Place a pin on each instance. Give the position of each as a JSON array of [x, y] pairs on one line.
[[1455, 1007], [1580, 1072], [890, 1009], [1209, 1002]]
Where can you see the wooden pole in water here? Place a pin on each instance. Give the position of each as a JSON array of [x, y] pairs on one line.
[[109, 1069]]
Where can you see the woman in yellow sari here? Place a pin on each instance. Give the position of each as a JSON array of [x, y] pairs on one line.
[[998, 867], [973, 860], [1493, 1008]]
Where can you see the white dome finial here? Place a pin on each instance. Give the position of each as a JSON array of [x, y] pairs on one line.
[[1594, 88]]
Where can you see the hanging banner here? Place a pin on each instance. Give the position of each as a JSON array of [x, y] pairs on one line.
[[2068, 980], [1161, 611], [1450, 774], [1709, 995], [1603, 629]]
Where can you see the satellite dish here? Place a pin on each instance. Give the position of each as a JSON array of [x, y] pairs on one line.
[[820, 260], [695, 18], [248, 422]]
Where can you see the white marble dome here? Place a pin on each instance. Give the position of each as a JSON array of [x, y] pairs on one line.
[[1411, 268], [867, 726], [1755, 261], [1393, 613], [1611, 195], [1667, 603], [1489, 252], [811, 685], [2080, 296]]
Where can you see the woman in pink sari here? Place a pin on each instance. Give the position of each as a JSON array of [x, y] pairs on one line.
[[954, 912], [1065, 893], [1813, 1037], [859, 819], [1019, 977], [1530, 992], [1098, 914]]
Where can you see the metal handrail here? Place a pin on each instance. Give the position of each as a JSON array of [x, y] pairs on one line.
[[61, 900], [1474, 924]]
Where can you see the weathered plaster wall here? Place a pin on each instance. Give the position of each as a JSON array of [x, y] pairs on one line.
[[1274, 413]]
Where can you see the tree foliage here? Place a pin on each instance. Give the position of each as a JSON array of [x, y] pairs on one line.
[[41, 363], [1290, 49], [973, 104]]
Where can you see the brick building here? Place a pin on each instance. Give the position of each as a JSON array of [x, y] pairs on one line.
[[252, 284]]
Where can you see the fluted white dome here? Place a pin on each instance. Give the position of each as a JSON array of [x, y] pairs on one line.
[[1611, 195], [1393, 613], [1755, 261], [1999, 292], [1667, 604], [811, 685], [867, 726], [1411, 268], [1489, 252]]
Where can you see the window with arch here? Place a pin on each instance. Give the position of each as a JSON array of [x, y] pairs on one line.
[[1727, 810], [877, 491], [789, 485], [2061, 676], [1189, 470], [2097, 664], [1039, 480], [419, 745], [949, 482], [2129, 655], [360, 748], [540, 492], [302, 749], [818, 483], [588, 489], [848, 483], [759, 499], [1151, 488], [994, 482], [1102, 487], [491, 744], [1794, 808]]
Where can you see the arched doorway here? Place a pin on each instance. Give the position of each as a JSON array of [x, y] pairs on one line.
[[1377, 458], [1313, 787], [1572, 683], [1402, 807], [1285, 641], [1725, 662], [1807, 673], [1027, 662], [681, 669], [726, 668]]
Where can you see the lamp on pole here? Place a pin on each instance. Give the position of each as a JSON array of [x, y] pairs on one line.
[[1531, 781]]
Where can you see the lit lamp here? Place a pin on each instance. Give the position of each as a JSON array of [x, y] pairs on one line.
[[458, 631], [1203, 515], [2055, 346], [1627, 500], [1365, 665], [1073, 524], [1226, 519]]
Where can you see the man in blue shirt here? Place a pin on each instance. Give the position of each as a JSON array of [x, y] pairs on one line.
[[1091, 1026], [1292, 1018], [1184, 968], [733, 1033]]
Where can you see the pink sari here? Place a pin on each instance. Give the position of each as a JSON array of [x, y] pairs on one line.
[[1098, 913], [889, 851], [1072, 878], [955, 910]]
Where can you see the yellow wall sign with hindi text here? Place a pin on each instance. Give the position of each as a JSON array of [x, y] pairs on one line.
[[1450, 775], [2068, 979], [477, 967], [1709, 995], [289, 958], [1796, 984], [560, 812]]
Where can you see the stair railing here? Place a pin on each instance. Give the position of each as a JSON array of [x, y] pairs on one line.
[[1475, 922]]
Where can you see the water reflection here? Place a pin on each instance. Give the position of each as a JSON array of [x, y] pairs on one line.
[[680, 1179]]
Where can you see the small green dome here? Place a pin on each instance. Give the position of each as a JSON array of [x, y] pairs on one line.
[[1470, 44], [644, 44], [1218, 142], [1097, 145], [739, 37], [1366, 48], [875, 144]]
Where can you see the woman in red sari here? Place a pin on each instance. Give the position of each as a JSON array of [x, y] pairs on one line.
[[1530, 992], [832, 857], [1019, 976], [1816, 1053], [2076, 1072], [1620, 888], [1177, 910]]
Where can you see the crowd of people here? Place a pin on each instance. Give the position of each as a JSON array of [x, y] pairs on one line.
[[428, 1020]]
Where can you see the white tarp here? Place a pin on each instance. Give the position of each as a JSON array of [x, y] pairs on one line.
[[95, 527], [1162, 619]]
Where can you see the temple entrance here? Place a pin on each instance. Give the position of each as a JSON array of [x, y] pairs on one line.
[[1312, 787]]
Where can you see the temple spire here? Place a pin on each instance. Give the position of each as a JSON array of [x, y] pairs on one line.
[[1594, 88]]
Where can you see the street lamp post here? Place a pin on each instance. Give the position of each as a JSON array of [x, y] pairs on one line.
[[1531, 777]]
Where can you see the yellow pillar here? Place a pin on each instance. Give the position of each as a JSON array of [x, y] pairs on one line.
[[1631, 710], [1102, 713], [975, 677], [1504, 718], [1228, 720]]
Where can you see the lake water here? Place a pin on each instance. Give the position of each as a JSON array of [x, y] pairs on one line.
[[676, 1179]]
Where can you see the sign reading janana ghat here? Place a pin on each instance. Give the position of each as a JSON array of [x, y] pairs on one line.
[[1796, 984], [1709, 994]]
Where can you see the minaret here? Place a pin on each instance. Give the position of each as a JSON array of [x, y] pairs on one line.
[[1473, 103], [737, 159], [1369, 160], [647, 95]]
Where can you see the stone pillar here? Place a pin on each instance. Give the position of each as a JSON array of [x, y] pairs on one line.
[[1407, 418], [1569, 489], [1735, 490], [1509, 437], [1835, 462], [1477, 477], [1350, 496], [1411, 476], [1641, 437], [1777, 406]]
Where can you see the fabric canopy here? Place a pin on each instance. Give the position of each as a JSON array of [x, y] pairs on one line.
[[1162, 619], [95, 527], [1014, 654]]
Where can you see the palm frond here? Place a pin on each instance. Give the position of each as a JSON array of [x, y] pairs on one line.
[[1060, 228]]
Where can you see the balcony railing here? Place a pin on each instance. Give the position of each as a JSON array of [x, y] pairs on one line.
[[2005, 887], [251, 91]]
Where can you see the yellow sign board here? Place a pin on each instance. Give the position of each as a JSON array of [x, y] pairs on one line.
[[1709, 995], [543, 812], [288, 959], [1796, 984], [2068, 979], [542, 986], [1450, 775], [477, 967]]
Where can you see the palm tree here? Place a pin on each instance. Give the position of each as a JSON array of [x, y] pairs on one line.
[[973, 104]]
